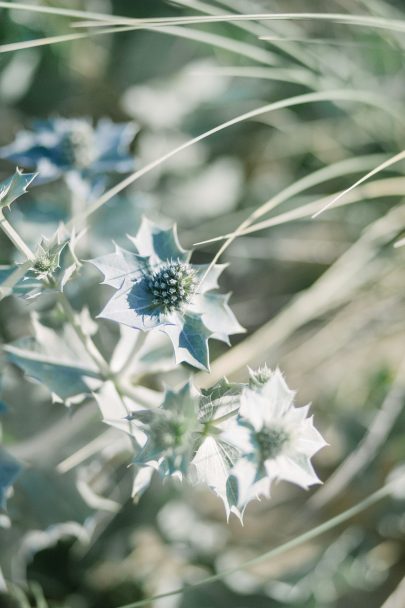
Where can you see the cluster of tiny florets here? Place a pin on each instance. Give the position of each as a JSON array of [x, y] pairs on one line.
[[78, 146], [43, 264], [168, 433], [271, 442], [172, 285], [259, 377]]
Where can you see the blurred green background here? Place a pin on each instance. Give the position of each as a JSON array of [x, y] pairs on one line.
[[323, 299]]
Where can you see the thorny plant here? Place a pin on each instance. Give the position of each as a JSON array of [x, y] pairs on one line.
[[236, 438]]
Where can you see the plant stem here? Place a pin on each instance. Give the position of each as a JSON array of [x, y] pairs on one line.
[[132, 393], [220, 419], [15, 238], [84, 338], [97, 357], [136, 347]]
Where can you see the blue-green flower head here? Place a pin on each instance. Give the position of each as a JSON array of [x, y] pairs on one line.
[[63, 145], [158, 288], [182, 437], [275, 439], [171, 430], [173, 285]]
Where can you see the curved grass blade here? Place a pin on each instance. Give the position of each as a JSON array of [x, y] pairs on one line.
[[333, 96], [381, 167]]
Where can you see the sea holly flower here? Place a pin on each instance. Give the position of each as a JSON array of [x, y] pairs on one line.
[[233, 438], [171, 430], [47, 258], [53, 266], [275, 439], [164, 435], [157, 288], [64, 145], [180, 438]]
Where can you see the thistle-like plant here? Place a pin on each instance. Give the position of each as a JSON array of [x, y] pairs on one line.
[[158, 288], [64, 145], [233, 438], [275, 439], [182, 438]]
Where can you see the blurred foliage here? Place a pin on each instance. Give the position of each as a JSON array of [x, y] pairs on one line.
[[342, 350]]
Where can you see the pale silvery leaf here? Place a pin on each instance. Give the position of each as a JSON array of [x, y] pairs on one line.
[[120, 265], [158, 244], [157, 288], [116, 411], [212, 464], [142, 479], [215, 457], [14, 187], [69, 376]]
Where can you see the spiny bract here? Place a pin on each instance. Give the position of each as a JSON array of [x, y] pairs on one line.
[[157, 288]]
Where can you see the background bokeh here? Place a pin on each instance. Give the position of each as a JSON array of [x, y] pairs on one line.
[[322, 298]]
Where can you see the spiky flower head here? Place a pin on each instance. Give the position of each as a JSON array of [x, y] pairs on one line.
[[173, 285], [276, 441], [78, 146], [158, 288], [53, 266], [259, 377], [47, 258], [181, 437], [233, 439], [171, 431]]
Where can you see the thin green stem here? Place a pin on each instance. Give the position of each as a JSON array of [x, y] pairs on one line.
[[131, 392], [87, 342], [136, 347], [225, 417], [97, 357], [15, 238], [368, 502]]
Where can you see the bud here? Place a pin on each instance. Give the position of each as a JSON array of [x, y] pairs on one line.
[[259, 377]]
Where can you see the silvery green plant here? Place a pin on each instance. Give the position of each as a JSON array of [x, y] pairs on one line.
[[236, 439]]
